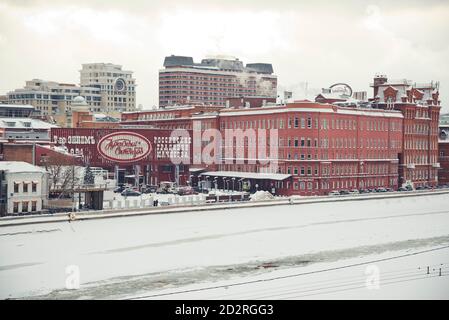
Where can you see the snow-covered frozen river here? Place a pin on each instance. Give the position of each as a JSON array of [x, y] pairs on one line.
[[133, 256]]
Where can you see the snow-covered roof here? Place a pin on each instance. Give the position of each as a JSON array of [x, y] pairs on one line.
[[332, 96], [100, 117], [25, 123], [19, 166], [247, 175]]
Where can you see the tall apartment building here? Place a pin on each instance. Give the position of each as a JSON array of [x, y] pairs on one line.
[[116, 86], [105, 87], [212, 81]]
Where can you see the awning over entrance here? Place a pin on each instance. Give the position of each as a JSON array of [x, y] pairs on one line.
[[247, 175], [196, 170]]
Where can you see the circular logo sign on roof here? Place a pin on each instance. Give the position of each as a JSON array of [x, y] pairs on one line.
[[124, 146], [342, 89]]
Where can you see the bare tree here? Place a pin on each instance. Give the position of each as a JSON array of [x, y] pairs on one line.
[[63, 173]]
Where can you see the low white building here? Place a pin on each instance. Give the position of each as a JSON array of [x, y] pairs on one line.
[[23, 188], [25, 129]]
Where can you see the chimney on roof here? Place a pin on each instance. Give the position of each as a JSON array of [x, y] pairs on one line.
[[379, 79]]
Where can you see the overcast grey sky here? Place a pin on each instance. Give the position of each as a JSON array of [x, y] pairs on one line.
[[318, 42]]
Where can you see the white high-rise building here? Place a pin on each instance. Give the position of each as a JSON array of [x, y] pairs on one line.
[[52, 98], [117, 86]]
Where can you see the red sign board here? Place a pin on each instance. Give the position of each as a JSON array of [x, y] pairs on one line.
[[124, 146]]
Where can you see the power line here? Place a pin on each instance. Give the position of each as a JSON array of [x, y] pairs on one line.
[[289, 276], [359, 287], [344, 286]]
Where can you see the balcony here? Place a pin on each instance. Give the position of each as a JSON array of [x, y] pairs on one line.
[[410, 166], [436, 165]]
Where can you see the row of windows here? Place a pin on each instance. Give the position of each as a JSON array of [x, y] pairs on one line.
[[347, 184], [421, 159], [340, 143], [310, 122], [421, 144], [106, 74], [417, 129], [47, 97], [420, 175], [27, 206], [197, 84], [25, 187], [339, 170], [338, 155], [119, 99], [206, 78], [183, 94], [421, 113]]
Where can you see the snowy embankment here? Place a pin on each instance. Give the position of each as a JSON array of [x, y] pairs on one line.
[[403, 274], [141, 255]]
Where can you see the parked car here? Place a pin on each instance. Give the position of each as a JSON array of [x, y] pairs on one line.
[[130, 193], [120, 189], [149, 189], [197, 190], [402, 189], [167, 187], [419, 188], [364, 191], [389, 189], [185, 190], [334, 193], [354, 191], [344, 192], [381, 189]]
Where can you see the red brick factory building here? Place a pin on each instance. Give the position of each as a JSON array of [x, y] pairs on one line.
[[389, 141]]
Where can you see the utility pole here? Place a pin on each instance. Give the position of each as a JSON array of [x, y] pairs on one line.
[[73, 189], [177, 175]]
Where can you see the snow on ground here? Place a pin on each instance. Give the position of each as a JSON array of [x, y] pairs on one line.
[[142, 200], [124, 257], [110, 195], [261, 195], [391, 275]]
